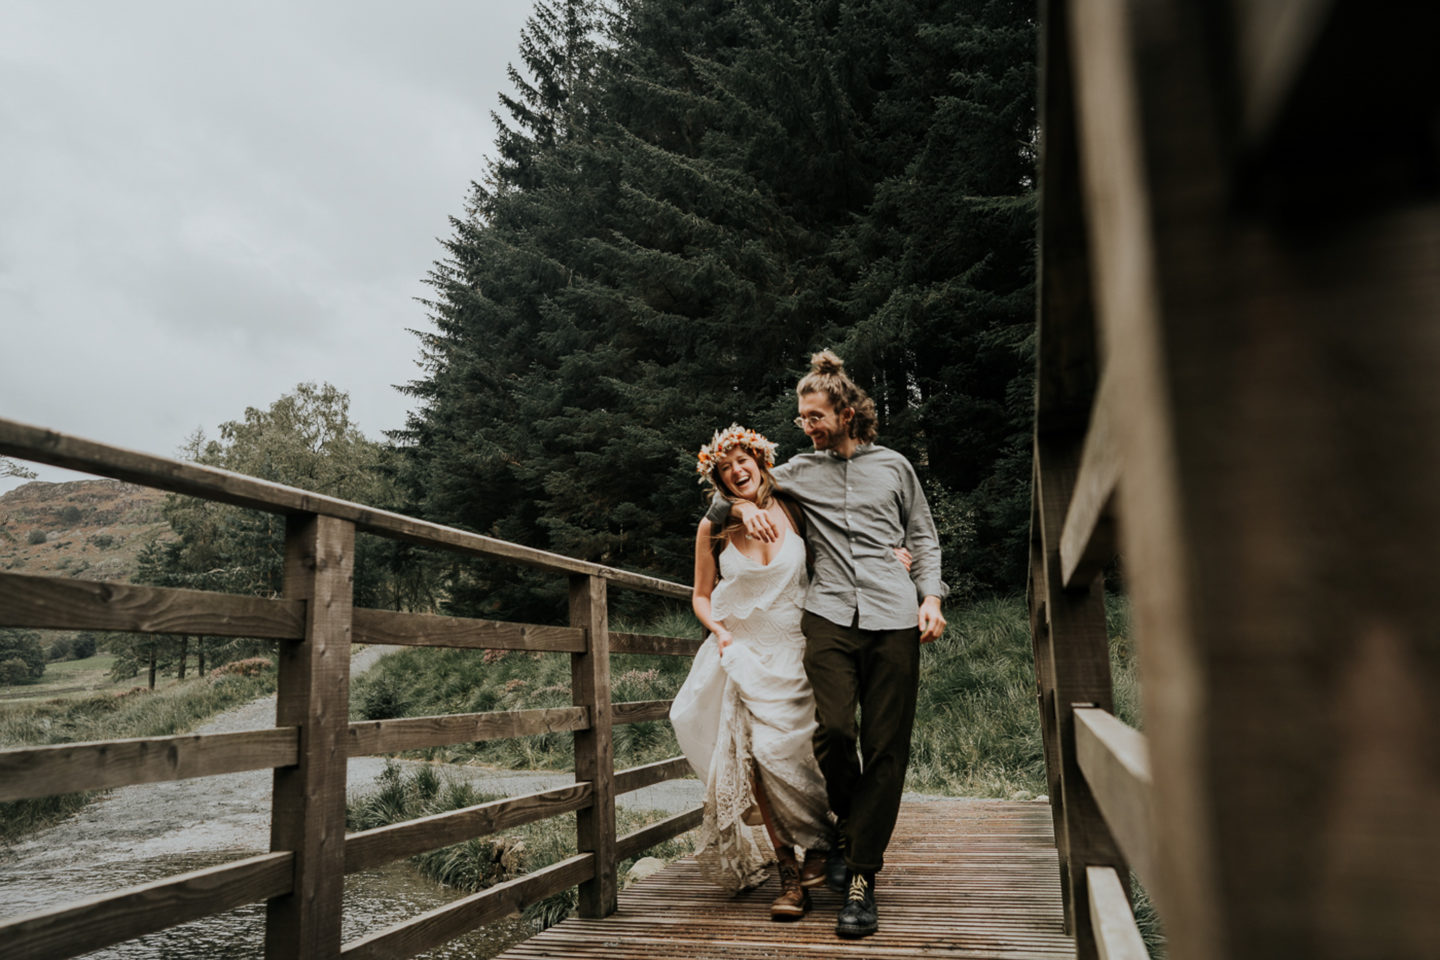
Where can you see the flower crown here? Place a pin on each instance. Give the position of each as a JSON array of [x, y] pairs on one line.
[[728, 439]]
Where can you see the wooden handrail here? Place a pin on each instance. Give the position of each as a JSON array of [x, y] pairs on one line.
[[1116, 763], [432, 630], [105, 764], [102, 920], [370, 848], [309, 746], [1116, 935], [460, 917], [211, 483], [62, 603], [367, 737]]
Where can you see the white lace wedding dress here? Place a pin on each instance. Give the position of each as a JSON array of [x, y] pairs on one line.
[[752, 708]]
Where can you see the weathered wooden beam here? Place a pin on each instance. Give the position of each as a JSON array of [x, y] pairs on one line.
[[1067, 351], [99, 921], [366, 737], [639, 711], [646, 837], [57, 449], [1079, 650], [444, 924], [651, 773], [370, 848], [1087, 540], [1116, 762], [654, 644], [430, 630], [313, 693], [104, 764], [594, 746], [62, 603], [1116, 935]]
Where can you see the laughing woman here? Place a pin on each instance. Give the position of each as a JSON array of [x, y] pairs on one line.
[[745, 716]]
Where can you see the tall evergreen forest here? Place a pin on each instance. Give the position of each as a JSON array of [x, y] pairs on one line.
[[689, 197]]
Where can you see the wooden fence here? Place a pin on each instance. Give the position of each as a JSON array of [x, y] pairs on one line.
[[314, 623], [1239, 389]]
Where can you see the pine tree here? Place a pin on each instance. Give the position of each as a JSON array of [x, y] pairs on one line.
[[727, 186]]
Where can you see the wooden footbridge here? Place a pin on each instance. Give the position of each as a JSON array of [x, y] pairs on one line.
[[1239, 387]]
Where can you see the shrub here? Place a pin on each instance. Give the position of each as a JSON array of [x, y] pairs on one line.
[[384, 699], [102, 541], [61, 648], [249, 667], [13, 670], [36, 537], [84, 647], [71, 514], [25, 646]]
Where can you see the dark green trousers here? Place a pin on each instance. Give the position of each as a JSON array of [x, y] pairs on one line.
[[876, 672]]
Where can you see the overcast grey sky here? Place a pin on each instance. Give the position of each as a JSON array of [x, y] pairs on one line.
[[204, 203]]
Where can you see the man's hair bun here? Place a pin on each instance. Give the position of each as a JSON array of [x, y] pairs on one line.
[[826, 362]]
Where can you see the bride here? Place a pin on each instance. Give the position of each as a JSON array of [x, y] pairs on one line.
[[745, 715]]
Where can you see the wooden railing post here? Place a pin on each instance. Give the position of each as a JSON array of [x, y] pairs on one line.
[[594, 746], [1079, 668], [308, 815]]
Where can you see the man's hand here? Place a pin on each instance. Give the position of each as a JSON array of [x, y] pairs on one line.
[[757, 522], [932, 623]]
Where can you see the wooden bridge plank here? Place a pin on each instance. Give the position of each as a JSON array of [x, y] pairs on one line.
[[964, 879]]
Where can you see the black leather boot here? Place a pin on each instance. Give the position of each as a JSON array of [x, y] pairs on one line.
[[836, 874], [858, 918]]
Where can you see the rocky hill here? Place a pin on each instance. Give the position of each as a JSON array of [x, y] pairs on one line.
[[91, 529]]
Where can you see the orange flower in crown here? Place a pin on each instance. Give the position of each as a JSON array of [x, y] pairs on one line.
[[728, 439]]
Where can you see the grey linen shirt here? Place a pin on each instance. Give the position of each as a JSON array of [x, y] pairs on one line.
[[857, 512]]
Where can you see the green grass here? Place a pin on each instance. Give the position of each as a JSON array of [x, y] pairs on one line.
[[485, 861], [66, 678], [136, 712]]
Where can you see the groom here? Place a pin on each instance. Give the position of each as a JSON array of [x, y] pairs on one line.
[[864, 620]]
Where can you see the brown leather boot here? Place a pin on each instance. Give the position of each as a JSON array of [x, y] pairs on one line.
[[793, 900], [812, 871]]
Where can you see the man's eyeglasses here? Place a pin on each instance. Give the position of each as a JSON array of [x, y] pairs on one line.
[[810, 421]]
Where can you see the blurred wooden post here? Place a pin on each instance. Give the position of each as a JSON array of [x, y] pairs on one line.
[[594, 746], [1265, 236], [308, 815]]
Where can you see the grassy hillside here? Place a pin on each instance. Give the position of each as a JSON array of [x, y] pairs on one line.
[[92, 529]]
